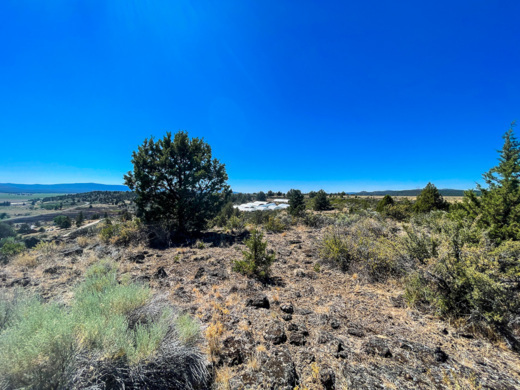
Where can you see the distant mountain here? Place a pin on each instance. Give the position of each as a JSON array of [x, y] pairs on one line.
[[71, 188], [444, 192]]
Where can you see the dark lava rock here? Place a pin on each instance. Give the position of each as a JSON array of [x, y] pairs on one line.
[[275, 333], [299, 335], [73, 252], [440, 355], [398, 301], [54, 270], [287, 308], [323, 338], [280, 371], [137, 258], [341, 351], [334, 323], [200, 272], [292, 327], [160, 273], [355, 331], [231, 353], [142, 279], [327, 378], [287, 317], [259, 301], [377, 346], [25, 281]]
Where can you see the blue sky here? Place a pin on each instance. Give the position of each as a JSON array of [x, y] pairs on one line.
[[356, 95]]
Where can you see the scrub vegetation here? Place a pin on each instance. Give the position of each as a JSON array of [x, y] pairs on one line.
[[336, 291]]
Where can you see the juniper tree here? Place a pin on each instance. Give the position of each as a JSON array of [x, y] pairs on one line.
[[383, 203], [500, 201], [177, 182], [430, 199], [321, 202], [296, 202]]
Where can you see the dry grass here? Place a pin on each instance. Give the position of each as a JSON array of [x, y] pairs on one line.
[[26, 259], [223, 376]]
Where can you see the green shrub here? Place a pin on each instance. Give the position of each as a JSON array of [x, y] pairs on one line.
[[335, 248], [114, 329], [419, 244], [274, 225], [6, 230], [36, 346], [367, 244], [122, 234], [257, 260], [187, 328], [384, 203], [63, 221], [235, 223], [11, 247]]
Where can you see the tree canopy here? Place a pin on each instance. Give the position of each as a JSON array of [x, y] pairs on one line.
[[177, 182]]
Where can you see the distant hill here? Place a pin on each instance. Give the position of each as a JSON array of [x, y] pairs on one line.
[[71, 188], [444, 192]]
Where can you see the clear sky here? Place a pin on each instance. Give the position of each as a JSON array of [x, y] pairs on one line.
[[346, 95]]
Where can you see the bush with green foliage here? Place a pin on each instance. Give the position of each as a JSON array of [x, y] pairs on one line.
[[296, 202], [177, 182], [366, 246], [383, 204], [6, 230], [274, 225], [24, 229], [257, 259], [62, 221], [430, 199], [10, 247], [116, 329], [466, 277], [123, 233], [321, 201]]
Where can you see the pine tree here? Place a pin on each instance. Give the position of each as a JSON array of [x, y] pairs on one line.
[[177, 182], [500, 201]]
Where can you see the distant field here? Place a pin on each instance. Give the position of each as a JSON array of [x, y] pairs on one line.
[[23, 197]]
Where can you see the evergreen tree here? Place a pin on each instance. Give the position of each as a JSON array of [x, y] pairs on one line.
[[177, 183], [500, 202], [296, 202], [430, 199], [80, 219], [383, 203], [321, 202], [270, 194], [261, 196]]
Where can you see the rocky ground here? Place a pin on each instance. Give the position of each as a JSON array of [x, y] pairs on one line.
[[309, 328]]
